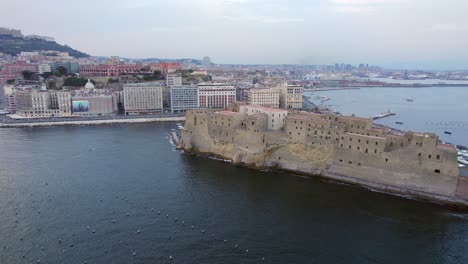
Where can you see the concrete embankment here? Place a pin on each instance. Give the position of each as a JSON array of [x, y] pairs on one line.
[[93, 122]]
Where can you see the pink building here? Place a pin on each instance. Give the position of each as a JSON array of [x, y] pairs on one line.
[[13, 70], [166, 67], [104, 70]]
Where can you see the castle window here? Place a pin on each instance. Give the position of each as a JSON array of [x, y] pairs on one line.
[[437, 171], [367, 142], [430, 156], [438, 157], [367, 151], [376, 143], [359, 164], [341, 145], [349, 146], [358, 148], [253, 123], [350, 162], [279, 158], [375, 151], [359, 141], [386, 160], [341, 160], [401, 144], [419, 154]]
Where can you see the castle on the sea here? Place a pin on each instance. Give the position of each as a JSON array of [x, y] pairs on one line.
[[346, 148]]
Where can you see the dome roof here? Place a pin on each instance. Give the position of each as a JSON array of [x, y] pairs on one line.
[[89, 85]]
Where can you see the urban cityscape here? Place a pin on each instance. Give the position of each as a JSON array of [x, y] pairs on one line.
[[234, 131]]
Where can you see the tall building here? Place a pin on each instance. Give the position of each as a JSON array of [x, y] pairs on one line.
[[264, 97], [173, 80], [216, 95], [184, 97], [291, 96], [143, 98]]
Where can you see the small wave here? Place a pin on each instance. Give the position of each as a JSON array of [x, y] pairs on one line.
[[461, 216]]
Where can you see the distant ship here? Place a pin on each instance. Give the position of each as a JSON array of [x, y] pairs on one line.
[[409, 100]]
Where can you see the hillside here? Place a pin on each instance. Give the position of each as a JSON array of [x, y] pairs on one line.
[[14, 45]]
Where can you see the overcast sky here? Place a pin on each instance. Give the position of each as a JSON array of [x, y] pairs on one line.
[[426, 34]]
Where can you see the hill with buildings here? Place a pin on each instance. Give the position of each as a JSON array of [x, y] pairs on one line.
[[14, 44]]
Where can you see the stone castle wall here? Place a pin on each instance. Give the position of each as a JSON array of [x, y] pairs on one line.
[[329, 146]]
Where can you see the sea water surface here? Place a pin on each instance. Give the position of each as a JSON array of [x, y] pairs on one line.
[[123, 194], [434, 109]]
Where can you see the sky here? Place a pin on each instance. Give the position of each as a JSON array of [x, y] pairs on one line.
[[416, 34]]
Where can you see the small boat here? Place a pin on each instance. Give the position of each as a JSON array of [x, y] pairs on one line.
[[409, 100], [462, 161], [399, 123], [461, 165], [448, 132]]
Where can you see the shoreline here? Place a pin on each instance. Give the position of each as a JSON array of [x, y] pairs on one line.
[[421, 196], [93, 122]]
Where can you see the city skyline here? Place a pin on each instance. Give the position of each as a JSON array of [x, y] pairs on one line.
[[395, 34]]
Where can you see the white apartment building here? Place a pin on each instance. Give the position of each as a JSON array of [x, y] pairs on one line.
[[216, 95], [144, 98], [264, 97]]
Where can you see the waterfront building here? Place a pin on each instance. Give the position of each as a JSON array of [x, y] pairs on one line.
[[264, 97], [173, 80], [216, 95], [43, 104], [143, 98], [94, 104], [184, 97], [291, 96]]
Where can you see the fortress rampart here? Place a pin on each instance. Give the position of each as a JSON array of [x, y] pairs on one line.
[[345, 148]]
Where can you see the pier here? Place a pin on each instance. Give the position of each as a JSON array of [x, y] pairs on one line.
[[383, 115]]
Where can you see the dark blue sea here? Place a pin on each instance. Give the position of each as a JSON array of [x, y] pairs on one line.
[[123, 194]]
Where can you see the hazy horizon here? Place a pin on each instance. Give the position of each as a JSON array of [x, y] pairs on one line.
[[396, 34]]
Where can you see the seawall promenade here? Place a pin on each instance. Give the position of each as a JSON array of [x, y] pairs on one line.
[[92, 122]]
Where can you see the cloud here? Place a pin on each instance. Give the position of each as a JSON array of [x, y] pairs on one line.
[[446, 28], [262, 19], [363, 2], [359, 6]]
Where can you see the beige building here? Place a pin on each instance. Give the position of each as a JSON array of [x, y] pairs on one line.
[[43, 104], [291, 96], [275, 117], [96, 104], [264, 97], [143, 98]]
